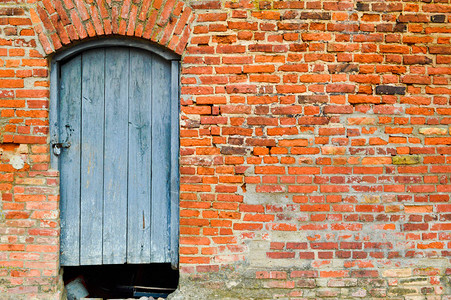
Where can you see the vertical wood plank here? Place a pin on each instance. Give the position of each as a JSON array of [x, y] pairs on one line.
[[93, 70], [161, 157], [115, 158], [140, 150], [55, 71], [69, 131], [175, 176]]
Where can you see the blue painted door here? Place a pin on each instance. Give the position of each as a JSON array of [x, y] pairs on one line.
[[118, 157]]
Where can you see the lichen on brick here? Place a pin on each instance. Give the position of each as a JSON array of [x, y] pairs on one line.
[[406, 159]]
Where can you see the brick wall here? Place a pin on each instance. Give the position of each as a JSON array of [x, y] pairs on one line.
[[315, 143], [29, 201]]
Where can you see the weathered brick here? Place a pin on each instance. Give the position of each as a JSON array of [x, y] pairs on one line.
[[390, 90], [406, 159], [438, 18], [303, 144]]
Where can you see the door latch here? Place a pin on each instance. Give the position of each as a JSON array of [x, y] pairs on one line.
[[57, 147]]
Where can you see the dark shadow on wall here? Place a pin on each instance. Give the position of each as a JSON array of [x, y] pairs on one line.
[[121, 281]]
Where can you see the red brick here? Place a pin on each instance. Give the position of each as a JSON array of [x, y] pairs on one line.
[[265, 149], [82, 10], [78, 25]]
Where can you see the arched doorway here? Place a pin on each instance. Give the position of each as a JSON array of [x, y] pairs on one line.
[[115, 140]]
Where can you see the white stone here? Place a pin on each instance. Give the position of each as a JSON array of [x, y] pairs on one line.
[[17, 162]]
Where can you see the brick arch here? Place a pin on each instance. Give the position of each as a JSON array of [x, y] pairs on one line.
[[59, 23]]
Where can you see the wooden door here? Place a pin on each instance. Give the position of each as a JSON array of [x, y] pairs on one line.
[[117, 113]]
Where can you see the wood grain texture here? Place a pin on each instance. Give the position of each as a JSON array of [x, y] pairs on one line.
[[115, 157], [69, 130], [175, 175], [140, 158], [92, 129], [161, 159]]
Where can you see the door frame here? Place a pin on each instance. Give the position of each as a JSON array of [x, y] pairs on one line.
[[55, 75]]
